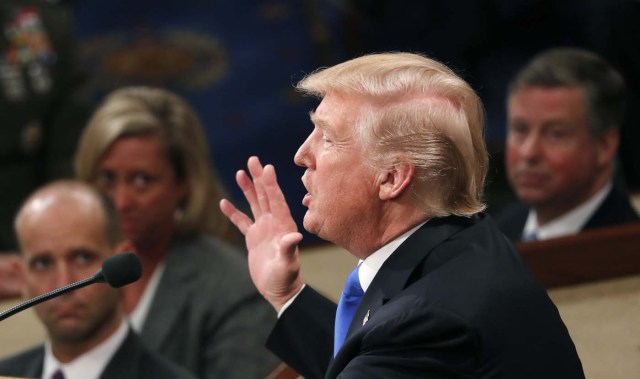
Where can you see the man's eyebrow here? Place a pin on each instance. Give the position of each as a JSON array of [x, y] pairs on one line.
[[33, 256]]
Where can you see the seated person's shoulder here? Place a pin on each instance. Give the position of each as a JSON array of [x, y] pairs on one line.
[[511, 219], [218, 268], [516, 211], [155, 367], [23, 363]]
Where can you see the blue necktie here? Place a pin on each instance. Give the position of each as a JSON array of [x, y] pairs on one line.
[[58, 375], [351, 296]]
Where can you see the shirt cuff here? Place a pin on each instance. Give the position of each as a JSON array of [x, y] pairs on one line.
[[290, 301]]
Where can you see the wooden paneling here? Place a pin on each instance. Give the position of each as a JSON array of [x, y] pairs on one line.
[[598, 254], [283, 372]]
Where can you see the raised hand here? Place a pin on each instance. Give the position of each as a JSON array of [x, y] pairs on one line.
[[272, 235]]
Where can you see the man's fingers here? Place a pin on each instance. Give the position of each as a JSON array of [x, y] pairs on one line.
[[256, 170], [277, 202], [249, 191], [289, 243], [239, 219]]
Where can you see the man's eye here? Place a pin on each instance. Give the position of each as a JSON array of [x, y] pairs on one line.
[[41, 264], [84, 258], [518, 129], [557, 135]]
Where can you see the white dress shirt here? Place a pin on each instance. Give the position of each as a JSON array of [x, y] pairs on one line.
[[141, 311], [370, 266], [571, 222], [89, 365]]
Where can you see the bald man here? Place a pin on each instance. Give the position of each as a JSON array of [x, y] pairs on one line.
[[65, 231]]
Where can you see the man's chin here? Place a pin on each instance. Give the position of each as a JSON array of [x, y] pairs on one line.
[[532, 196], [310, 224], [69, 332]]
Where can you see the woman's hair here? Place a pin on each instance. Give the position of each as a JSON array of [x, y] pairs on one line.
[[421, 113], [144, 111]]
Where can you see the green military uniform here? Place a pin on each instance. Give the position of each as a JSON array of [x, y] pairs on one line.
[[42, 107]]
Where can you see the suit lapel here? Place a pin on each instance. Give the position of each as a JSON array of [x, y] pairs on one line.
[[120, 365], [36, 364], [614, 209], [394, 274], [171, 297]]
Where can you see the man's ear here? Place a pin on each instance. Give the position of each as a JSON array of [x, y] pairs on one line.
[[395, 181], [17, 276], [608, 142]]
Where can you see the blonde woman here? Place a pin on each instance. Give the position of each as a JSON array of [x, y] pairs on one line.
[[195, 303]]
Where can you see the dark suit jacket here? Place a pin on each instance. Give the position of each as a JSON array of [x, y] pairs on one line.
[[616, 209], [131, 361], [455, 300], [207, 315]]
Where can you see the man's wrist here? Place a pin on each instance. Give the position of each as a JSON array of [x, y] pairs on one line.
[[290, 301]]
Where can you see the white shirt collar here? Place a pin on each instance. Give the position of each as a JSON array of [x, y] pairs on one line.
[[571, 222], [139, 315], [371, 265], [89, 365]]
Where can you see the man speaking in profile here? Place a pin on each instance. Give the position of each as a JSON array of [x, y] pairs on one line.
[[395, 169]]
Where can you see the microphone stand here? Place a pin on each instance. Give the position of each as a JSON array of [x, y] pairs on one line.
[[46, 296]]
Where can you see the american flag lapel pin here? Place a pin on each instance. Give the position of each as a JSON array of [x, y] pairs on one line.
[[366, 317]]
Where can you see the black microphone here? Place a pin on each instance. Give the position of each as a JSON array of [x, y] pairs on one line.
[[118, 270]]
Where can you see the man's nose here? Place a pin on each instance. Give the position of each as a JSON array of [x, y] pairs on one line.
[[303, 156], [64, 276], [531, 147]]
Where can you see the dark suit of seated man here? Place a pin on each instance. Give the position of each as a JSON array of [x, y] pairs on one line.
[[65, 231], [564, 112], [395, 170]]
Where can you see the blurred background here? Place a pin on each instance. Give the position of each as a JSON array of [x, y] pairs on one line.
[[236, 61]]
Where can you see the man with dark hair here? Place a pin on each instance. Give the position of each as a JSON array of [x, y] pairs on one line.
[[564, 113]]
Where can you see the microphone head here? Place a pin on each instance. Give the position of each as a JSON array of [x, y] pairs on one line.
[[121, 269]]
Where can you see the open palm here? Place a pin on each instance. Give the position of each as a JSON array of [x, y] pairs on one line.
[[271, 236]]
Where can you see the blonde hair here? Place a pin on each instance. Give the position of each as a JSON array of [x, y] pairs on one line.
[[420, 113], [142, 111]]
